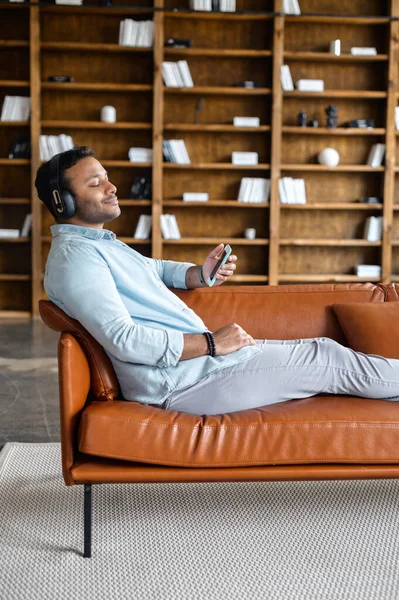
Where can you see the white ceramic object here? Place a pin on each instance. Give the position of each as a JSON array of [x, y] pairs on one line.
[[108, 114], [250, 233], [328, 157]]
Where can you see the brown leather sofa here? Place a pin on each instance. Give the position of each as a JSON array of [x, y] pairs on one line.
[[106, 439]]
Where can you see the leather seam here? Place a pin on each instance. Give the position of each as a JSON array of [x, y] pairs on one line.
[[238, 426]]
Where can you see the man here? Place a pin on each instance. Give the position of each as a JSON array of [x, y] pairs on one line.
[[162, 352]]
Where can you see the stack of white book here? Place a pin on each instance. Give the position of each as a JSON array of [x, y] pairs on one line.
[[169, 227], [360, 51], [50, 145], [373, 271], [71, 2], [254, 190], [140, 155], [286, 79], [310, 85], [376, 155], [397, 117], [143, 227], [291, 7], [177, 74], [9, 233], [223, 5], [175, 151], [246, 121], [15, 108], [195, 196], [244, 158], [292, 191], [136, 33], [373, 229]]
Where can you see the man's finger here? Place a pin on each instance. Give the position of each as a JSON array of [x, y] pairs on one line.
[[216, 251]]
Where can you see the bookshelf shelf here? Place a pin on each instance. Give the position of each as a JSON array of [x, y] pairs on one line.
[[126, 164], [134, 202], [322, 278], [4, 201], [14, 162], [216, 204], [337, 94], [221, 91], [97, 10], [328, 57], [333, 206], [221, 166], [215, 128], [95, 125], [338, 169], [334, 131], [210, 16], [132, 240], [75, 47], [335, 20], [14, 123], [96, 87], [212, 53], [250, 278], [14, 83], [6, 44], [319, 242], [216, 241], [20, 240], [7, 277]]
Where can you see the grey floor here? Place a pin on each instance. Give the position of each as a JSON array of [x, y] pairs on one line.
[[28, 382]]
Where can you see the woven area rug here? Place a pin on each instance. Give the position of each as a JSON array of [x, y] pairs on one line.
[[277, 540]]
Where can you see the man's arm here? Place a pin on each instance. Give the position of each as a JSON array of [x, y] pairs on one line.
[[81, 283]]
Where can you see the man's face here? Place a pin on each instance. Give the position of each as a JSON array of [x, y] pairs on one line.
[[95, 195]]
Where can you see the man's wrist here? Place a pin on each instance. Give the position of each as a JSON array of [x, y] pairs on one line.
[[201, 277]]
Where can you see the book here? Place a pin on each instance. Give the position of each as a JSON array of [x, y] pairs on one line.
[[244, 158], [169, 227], [140, 155], [185, 73], [9, 233], [143, 227], [246, 121], [368, 270], [397, 118], [286, 79], [26, 225], [310, 85], [366, 51], [376, 155], [335, 47], [15, 108], [195, 196], [254, 190]]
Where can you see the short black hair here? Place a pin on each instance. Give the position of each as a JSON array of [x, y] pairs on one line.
[[67, 159]]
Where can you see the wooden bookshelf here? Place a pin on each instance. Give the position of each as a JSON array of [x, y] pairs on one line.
[[319, 242]]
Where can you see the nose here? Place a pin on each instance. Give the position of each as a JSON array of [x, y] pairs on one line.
[[111, 188]]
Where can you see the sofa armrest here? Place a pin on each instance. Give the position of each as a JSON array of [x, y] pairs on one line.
[[74, 385]]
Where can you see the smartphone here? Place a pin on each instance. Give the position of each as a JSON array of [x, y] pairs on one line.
[[225, 255]]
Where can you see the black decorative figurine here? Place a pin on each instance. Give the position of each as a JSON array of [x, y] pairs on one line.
[[332, 115], [302, 117]]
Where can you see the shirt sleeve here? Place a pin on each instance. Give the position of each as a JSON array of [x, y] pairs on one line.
[[80, 282], [172, 273]]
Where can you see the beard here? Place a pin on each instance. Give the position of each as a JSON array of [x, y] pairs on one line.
[[97, 214]]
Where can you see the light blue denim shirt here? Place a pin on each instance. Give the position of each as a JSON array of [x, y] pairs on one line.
[[122, 299]]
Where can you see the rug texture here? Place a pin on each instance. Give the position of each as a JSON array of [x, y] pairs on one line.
[[278, 540]]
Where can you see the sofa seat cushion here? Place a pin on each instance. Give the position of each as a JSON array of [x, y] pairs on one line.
[[370, 327], [321, 429]]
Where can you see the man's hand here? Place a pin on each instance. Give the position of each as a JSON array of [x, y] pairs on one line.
[[225, 272], [230, 338]]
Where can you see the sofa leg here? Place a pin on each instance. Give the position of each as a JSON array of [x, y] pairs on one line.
[[87, 521]]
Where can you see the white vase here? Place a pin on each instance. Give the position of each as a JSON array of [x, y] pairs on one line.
[[108, 114]]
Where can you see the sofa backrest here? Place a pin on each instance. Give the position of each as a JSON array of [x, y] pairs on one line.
[[279, 312], [103, 382]]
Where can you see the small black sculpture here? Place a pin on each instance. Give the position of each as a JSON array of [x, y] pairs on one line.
[[314, 123], [332, 115], [302, 118]]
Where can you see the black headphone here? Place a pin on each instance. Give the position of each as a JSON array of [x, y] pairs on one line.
[[63, 203]]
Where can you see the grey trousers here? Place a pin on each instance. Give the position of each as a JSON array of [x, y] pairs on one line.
[[289, 369]]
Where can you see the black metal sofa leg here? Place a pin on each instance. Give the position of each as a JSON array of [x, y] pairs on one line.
[[87, 521]]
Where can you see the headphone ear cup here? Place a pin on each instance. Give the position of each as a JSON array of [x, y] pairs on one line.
[[69, 205]]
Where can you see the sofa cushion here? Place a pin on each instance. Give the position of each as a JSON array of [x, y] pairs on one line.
[[321, 429], [372, 328]]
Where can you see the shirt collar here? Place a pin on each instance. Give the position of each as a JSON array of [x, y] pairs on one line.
[[89, 232]]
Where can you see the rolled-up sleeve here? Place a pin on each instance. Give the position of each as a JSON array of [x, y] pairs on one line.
[[83, 286], [172, 273]]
